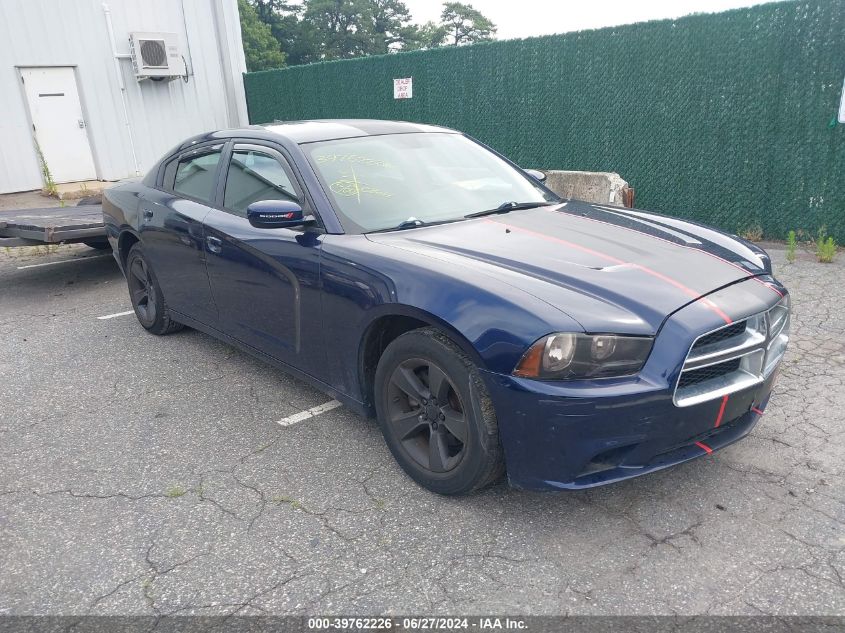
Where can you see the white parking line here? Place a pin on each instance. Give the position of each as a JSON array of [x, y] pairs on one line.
[[116, 314], [63, 261], [310, 413]]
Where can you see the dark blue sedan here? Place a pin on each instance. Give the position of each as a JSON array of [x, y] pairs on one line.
[[418, 276]]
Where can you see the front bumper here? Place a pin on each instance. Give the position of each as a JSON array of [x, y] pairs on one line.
[[581, 434], [553, 440]]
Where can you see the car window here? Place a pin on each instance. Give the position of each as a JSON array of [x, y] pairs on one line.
[[254, 175], [195, 175]]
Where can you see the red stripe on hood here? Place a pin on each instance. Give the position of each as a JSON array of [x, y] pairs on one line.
[[688, 291], [663, 239]]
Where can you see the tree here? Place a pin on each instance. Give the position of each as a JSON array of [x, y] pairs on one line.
[[424, 36], [261, 49], [390, 25], [341, 27], [465, 24], [285, 21], [316, 30]]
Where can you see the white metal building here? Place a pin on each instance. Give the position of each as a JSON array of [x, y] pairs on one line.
[[104, 89]]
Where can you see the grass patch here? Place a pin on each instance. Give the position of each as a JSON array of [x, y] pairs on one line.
[[791, 245], [752, 233], [176, 491], [293, 503], [825, 247]]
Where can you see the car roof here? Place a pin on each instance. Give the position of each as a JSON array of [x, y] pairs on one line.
[[299, 132], [330, 129]]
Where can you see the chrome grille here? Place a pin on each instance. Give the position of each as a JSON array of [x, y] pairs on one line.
[[703, 374], [729, 332], [734, 357]]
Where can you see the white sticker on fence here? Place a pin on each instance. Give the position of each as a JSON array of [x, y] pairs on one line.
[[403, 88]]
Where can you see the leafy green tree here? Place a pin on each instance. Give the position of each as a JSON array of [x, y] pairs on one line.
[[261, 49], [465, 24], [341, 28], [391, 25], [424, 36], [285, 21], [317, 30]]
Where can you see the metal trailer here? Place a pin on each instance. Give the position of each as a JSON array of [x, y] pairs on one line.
[[54, 225]]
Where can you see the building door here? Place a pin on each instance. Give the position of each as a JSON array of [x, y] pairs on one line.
[[59, 127]]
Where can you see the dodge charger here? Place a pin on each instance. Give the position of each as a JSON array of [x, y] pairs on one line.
[[421, 278]]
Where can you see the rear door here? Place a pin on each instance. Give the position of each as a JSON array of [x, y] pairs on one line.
[[172, 233], [265, 281]]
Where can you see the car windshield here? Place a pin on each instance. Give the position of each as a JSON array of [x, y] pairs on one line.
[[403, 180]]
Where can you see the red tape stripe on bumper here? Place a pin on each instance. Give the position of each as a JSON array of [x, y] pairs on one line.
[[704, 446], [721, 412]]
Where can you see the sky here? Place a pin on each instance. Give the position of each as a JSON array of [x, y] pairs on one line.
[[525, 18]]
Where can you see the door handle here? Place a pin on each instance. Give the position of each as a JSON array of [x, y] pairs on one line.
[[148, 214], [215, 244]]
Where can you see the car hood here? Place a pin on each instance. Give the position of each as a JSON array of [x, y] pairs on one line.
[[611, 269]]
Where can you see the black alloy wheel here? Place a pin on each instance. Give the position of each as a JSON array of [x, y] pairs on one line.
[[435, 414], [141, 292], [426, 415], [146, 296]]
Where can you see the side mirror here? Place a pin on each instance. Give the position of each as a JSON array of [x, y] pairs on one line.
[[536, 174], [275, 214]]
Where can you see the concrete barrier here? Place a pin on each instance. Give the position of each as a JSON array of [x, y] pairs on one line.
[[590, 186]]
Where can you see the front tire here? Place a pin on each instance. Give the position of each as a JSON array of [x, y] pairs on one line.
[[146, 296], [436, 415]]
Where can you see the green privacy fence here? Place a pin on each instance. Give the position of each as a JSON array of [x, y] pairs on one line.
[[729, 119]]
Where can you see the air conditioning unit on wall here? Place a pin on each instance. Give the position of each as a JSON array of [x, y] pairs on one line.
[[156, 56]]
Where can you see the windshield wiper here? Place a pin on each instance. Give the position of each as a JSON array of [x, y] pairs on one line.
[[412, 223], [505, 207]]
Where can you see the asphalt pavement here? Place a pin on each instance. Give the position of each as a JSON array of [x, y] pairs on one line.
[[150, 475]]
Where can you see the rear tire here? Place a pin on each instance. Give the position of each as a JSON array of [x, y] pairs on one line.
[[436, 415], [146, 296]]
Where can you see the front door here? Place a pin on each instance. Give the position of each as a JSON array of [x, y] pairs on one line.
[[58, 124], [265, 281]]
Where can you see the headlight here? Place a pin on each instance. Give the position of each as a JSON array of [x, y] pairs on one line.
[[568, 356]]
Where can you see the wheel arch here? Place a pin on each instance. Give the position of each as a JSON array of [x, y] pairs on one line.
[[125, 241], [385, 326]]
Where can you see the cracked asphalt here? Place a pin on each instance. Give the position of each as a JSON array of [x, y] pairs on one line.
[[143, 475]]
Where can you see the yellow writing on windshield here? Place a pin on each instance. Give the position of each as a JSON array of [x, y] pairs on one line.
[[352, 158], [349, 185]]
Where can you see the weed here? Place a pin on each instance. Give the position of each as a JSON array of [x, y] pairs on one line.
[[49, 183], [826, 251], [752, 233], [285, 499], [825, 246], [176, 491], [791, 244]]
